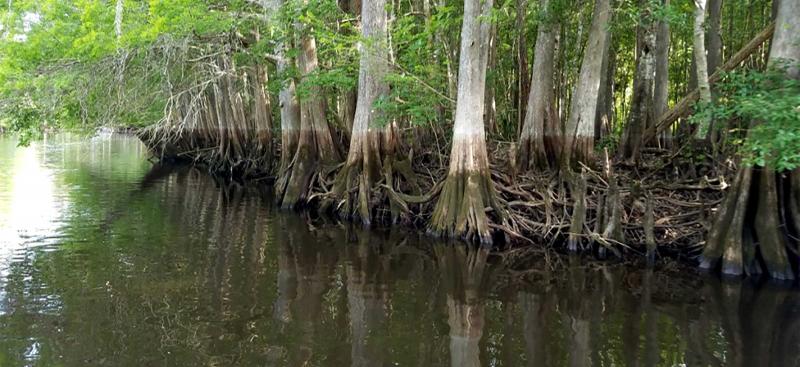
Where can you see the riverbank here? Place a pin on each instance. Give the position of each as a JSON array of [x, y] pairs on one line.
[[657, 210]]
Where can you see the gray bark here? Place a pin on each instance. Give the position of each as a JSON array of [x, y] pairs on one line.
[[468, 188], [714, 35], [469, 136], [490, 103], [579, 142], [289, 106], [785, 49], [373, 67], [714, 52], [312, 110], [661, 93], [368, 143], [605, 101], [523, 78], [700, 61], [540, 114], [641, 115], [346, 102]]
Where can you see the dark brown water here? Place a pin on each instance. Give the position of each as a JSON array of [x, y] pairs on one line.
[[106, 260]]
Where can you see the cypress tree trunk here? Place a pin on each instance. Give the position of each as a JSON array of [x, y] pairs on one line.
[[714, 57], [540, 116], [661, 93], [641, 115], [490, 101], [347, 100], [700, 61], [749, 232], [523, 76], [605, 101], [315, 142], [579, 142], [262, 116], [468, 189], [714, 35], [290, 121], [287, 98], [369, 143]]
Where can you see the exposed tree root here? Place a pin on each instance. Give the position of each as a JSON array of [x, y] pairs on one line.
[[293, 185], [218, 124], [362, 190], [538, 210], [461, 208]]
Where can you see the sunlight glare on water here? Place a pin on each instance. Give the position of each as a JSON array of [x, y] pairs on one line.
[[28, 209]]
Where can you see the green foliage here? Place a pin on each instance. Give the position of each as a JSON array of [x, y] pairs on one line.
[[24, 119], [419, 80], [62, 65], [769, 102]]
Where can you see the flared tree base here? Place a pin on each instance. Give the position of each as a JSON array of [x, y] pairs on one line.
[[358, 191], [532, 154], [293, 184], [353, 189], [461, 211], [750, 234], [579, 150]]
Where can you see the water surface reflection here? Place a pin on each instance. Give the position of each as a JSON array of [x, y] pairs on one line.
[[130, 264]]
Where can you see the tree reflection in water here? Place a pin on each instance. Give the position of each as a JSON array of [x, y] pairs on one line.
[[177, 268], [463, 272], [367, 268]]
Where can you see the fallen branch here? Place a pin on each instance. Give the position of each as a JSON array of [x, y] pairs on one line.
[[684, 106]]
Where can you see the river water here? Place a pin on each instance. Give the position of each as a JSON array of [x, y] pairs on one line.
[[108, 260]]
